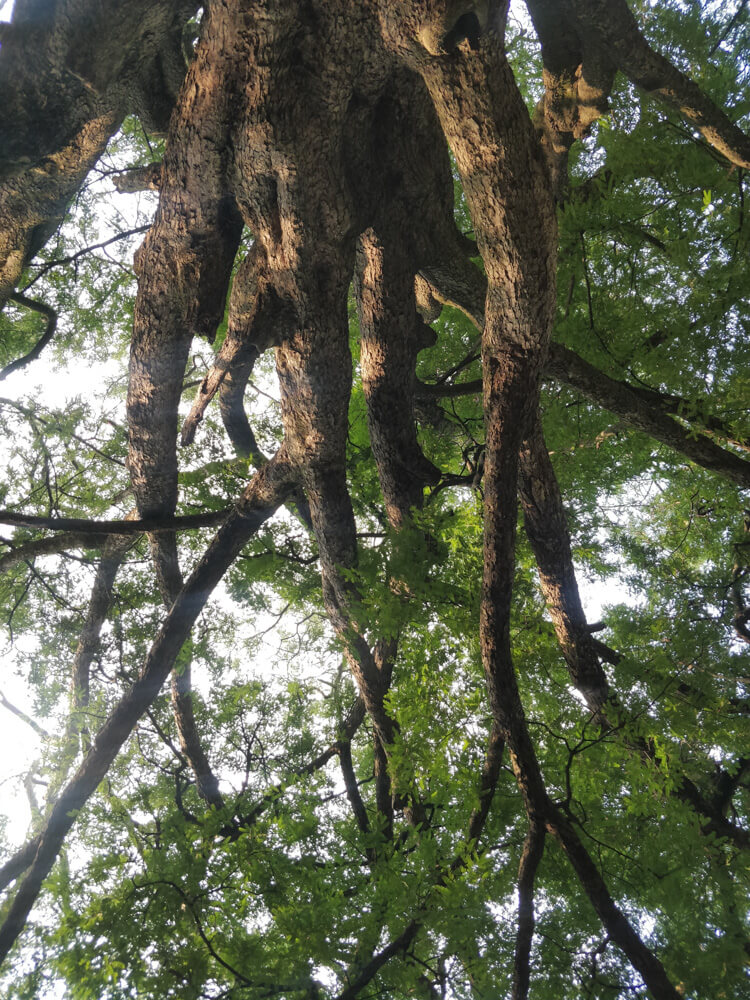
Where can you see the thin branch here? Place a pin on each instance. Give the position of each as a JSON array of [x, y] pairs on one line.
[[39, 346], [376, 963], [45, 268], [23, 716], [261, 499], [83, 526], [533, 849]]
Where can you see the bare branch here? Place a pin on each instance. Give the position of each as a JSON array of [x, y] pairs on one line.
[[23, 716], [82, 527]]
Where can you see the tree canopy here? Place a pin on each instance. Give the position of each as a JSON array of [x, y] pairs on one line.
[[320, 711]]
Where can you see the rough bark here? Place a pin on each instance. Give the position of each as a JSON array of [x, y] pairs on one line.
[[612, 28], [392, 334], [320, 126], [69, 72]]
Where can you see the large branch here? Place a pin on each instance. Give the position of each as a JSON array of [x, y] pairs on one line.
[[68, 77], [487, 126], [612, 28], [261, 499], [52, 545], [617, 397], [577, 81]]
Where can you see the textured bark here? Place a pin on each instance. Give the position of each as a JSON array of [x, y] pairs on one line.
[[487, 126], [577, 81], [321, 126], [612, 28], [392, 334], [184, 265], [69, 72]]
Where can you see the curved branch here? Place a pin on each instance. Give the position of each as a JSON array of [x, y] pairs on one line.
[[39, 346], [257, 320], [265, 493], [614, 30]]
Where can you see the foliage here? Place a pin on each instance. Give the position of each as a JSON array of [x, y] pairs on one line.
[[279, 891]]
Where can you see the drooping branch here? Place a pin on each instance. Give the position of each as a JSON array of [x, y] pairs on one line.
[[392, 334], [352, 788], [39, 346], [511, 206], [490, 773], [265, 493], [171, 583], [257, 319], [547, 530]]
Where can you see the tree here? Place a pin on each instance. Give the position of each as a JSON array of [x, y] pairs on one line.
[[494, 262]]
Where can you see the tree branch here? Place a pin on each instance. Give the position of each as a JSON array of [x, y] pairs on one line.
[[531, 855], [265, 493], [39, 346], [614, 30], [82, 527]]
